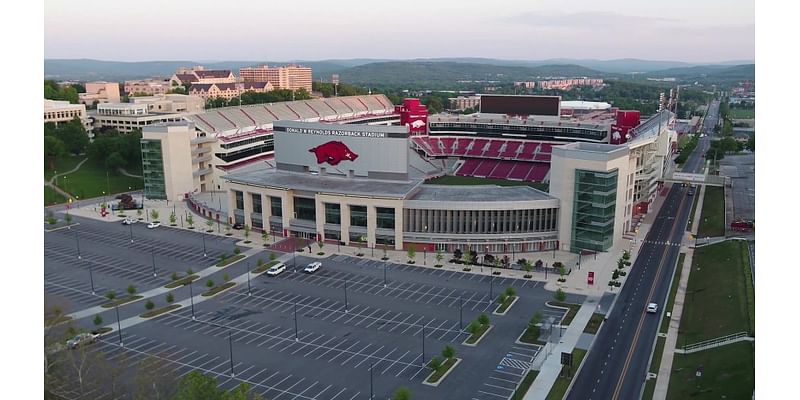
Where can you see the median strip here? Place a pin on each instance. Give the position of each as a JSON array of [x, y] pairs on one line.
[[159, 311], [121, 301], [219, 289]]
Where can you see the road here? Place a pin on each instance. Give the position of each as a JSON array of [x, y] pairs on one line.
[[616, 366]]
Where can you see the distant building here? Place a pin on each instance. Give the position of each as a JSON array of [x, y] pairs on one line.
[[566, 84], [291, 77], [526, 85], [463, 102], [125, 117], [211, 90], [167, 103], [149, 87], [57, 111], [100, 92], [258, 87], [199, 74]]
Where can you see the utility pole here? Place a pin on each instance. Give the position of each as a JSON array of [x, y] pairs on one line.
[[119, 325], [78, 243], [230, 345]]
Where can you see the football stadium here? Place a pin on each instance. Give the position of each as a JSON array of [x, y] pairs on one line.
[[574, 176]]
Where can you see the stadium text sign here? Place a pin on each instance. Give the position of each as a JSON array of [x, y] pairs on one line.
[[336, 132]]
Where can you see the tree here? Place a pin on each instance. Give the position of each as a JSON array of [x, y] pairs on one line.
[[246, 234], [226, 277], [149, 305], [483, 319], [110, 295], [402, 393], [439, 257], [626, 255], [190, 221], [73, 135], [527, 266], [237, 250], [457, 254], [131, 289], [535, 319], [196, 385], [448, 352], [272, 256], [210, 225], [510, 292], [51, 218], [67, 218], [174, 276], [172, 218], [154, 215], [189, 271], [412, 252], [98, 320], [170, 297], [115, 161], [321, 245], [53, 149], [502, 298], [435, 364], [155, 379], [210, 283], [560, 295], [474, 327]]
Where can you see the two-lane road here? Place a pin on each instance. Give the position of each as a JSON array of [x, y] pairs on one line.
[[616, 366]]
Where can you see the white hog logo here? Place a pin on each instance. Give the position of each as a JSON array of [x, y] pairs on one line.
[[418, 124]]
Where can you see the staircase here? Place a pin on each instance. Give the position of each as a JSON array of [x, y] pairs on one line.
[[716, 342]]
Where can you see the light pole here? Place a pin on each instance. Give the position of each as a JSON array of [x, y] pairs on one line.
[[491, 288], [91, 277], [248, 278], [191, 296], [423, 345], [345, 295], [385, 265], [131, 226], [153, 254], [204, 244], [295, 323], [230, 346], [460, 312], [119, 325], [78, 243], [371, 396]]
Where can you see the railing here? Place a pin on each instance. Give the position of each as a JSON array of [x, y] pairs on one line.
[[716, 342]]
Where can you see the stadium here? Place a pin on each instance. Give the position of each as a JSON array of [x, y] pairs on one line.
[[358, 170]]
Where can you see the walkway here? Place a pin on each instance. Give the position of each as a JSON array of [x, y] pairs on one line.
[[126, 173], [58, 190]]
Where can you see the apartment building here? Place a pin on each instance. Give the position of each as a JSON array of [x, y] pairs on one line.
[[199, 74], [463, 102], [291, 77], [167, 103], [148, 87], [100, 92]]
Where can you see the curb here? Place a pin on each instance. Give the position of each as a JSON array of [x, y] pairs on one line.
[[479, 339], [507, 308], [436, 384], [179, 306], [518, 341]]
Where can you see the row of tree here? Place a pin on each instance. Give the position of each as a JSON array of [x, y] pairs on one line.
[[54, 91], [116, 150], [251, 97], [67, 137]]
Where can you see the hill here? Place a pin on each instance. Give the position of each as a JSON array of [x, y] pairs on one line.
[[745, 71]]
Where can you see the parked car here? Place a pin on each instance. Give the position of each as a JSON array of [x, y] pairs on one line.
[[652, 308], [82, 339], [313, 267], [275, 270], [153, 225], [129, 221], [238, 226]]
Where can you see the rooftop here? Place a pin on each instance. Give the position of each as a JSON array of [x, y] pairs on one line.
[[478, 193]]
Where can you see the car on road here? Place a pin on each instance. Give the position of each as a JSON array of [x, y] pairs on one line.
[[313, 267], [153, 225], [275, 270], [129, 221], [82, 339], [652, 308], [238, 226], [691, 191]]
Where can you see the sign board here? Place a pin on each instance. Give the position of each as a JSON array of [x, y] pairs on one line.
[[590, 279], [335, 79], [566, 359], [689, 177]]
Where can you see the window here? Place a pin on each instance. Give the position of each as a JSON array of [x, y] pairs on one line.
[[333, 214], [305, 208], [385, 217], [256, 202], [358, 216], [239, 199]]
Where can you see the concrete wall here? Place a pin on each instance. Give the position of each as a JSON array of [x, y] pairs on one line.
[[176, 154]]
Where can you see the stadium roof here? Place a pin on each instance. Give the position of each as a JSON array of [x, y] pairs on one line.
[[481, 193], [585, 105]]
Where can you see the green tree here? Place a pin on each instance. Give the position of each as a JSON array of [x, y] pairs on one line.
[[68, 218], [402, 393], [226, 277], [483, 319], [247, 234], [412, 251], [189, 271], [448, 352], [172, 218], [73, 136], [210, 225], [131, 289], [474, 327], [154, 215], [111, 295], [272, 256], [190, 220], [560, 295], [170, 297], [51, 218], [320, 244], [439, 256], [510, 292], [98, 320], [535, 319], [114, 162], [265, 236], [502, 298], [149, 305], [435, 364], [210, 283], [237, 251], [174, 276], [53, 149], [527, 266], [196, 386]]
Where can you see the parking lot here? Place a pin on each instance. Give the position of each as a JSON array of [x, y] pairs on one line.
[[310, 336]]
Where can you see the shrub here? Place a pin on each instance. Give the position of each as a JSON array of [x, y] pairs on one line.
[[474, 327], [560, 295], [435, 364], [622, 273], [615, 274], [510, 292], [131, 289], [223, 257], [259, 262], [237, 251], [174, 276], [170, 298], [98, 320], [626, 255], [226, 277], [149, 305], [448, 352], [210, 283], [111, 295], [483, 319], [272, 256], [502, 298], [402, 393], [189, 271]]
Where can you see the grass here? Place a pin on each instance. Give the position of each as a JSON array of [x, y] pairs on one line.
[[62, 164], [742, 113], [52, 197], [562, 383], [728, 372], [230, 260], [471, 180], [717, 300], [531, 336], [102, 330], [122, 300], [264, 267], [159, 311], [573, 310], [694, 209], [503, 307], [650, 384], [218, 289], [442, 370], [594, 323], [182, 282], [672, 291], [525, 385], [474, 337], [90, 181], [713, 213]]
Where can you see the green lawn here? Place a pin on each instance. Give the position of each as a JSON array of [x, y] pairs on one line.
[[740, 113], [650, 385], [712, 222], [62, 164], [471, 180], [51, 197], [90, 181], [594, 323], [696, 200], [718, 297], [672, 291], [525, 385], [728, 373], [573, 310], [560, 386]]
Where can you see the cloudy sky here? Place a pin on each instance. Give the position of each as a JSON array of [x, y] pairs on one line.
[[213, 30]]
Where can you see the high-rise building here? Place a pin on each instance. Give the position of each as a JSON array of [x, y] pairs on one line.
[[291, 77]]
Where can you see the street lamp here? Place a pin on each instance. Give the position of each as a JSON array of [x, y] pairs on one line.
[[91, 277], [460, 312], [385, 265], [423, 345], [119, 325], [204, 244], [131, 228], [191, 296], [78, 243], [345, 295], [153, 254], [248, 278], [371, 396], [230, 346], [296, 339]]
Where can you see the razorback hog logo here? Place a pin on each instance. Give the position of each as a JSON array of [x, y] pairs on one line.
[[418, 124], [333, 153]]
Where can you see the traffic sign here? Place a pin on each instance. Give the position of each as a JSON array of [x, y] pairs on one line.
[[566, 359]]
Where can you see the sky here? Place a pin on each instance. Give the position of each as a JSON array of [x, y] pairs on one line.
[[205, 30]]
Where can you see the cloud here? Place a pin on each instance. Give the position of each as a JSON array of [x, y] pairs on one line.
[[587, 20]]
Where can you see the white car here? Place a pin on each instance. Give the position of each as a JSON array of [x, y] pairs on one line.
[[129, 221], [652, 308], [81, 339], [153, 225], [275, 270], [313, 267]]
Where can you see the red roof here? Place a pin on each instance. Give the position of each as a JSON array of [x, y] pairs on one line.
[[184, 78], [214, 73]]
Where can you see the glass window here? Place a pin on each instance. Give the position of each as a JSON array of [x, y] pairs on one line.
[[256, 203], [385, 217], [305, 208], [239, 199], [358, 216], [333, 213], [277, 207]]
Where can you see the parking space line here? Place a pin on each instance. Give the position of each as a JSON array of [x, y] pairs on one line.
[[259, 335], [381, 318], [370, 356], [493, 394], [415, 324], [323, 345], [309, 343], [413, 362], [281, 338], [345, 350], [337, 394], [316, 396]]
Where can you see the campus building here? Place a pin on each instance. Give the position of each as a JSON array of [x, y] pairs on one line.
[[463, 102], [292, 77], [149, 87], [58, 111], [171, 103], [125, 117], [100, 92]]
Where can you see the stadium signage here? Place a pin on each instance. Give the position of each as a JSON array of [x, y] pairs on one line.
[[337, 132]]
